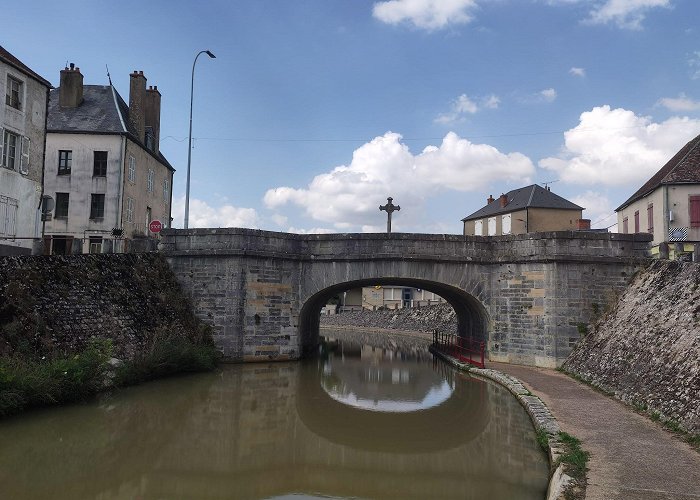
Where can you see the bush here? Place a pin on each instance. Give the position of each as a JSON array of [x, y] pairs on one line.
[[25, 383]]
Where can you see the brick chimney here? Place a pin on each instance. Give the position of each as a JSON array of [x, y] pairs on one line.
[[153, 114], [503, 200], [583, 224], [70, 90], [137, 104], [489, 200]]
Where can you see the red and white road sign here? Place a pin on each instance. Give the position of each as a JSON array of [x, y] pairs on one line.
[[155, 226]]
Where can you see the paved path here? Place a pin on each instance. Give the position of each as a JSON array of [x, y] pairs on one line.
[[631, 456]]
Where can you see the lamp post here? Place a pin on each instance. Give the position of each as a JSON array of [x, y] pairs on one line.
[[189, 142]]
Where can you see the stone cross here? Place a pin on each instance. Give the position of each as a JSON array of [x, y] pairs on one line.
[[388, 208]]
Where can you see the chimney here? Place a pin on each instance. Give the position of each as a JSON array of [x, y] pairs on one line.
[[489, 200], [137, 104], [503, 200], [70, 90], [583, 224], [153, 114]]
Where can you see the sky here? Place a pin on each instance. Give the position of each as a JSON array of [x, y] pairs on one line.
[[315, 111]]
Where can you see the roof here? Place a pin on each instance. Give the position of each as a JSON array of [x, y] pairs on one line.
[[8, 58], [532, 196], [103, 111], [683, 168]]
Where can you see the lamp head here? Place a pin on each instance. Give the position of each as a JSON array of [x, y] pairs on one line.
[[208, 52]]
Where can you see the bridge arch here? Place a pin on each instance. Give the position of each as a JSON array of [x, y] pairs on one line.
[[472, 316]]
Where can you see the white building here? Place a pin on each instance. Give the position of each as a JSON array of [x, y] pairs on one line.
[[103, 166], [668, 204], [22, 139]]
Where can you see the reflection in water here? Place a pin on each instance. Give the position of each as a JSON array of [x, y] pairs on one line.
[[273, 431], [376, 379]]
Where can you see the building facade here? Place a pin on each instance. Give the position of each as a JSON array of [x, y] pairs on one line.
[[22, 142], [668, 204], [104, 168], [525, 210]]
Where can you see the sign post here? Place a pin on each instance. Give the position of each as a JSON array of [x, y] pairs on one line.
[[155, 226]]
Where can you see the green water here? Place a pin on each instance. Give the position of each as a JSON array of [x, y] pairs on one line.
[[356, 423]]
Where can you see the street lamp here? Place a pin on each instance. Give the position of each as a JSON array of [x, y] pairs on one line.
[[189, 142]]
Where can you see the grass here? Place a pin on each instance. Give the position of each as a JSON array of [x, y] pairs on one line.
[[543, 440], [575, 461], [26, 383]]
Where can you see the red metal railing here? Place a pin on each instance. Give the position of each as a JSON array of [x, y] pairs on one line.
[[463, 349]]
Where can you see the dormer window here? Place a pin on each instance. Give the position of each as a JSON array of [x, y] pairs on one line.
[[13, 97], [150, 139]]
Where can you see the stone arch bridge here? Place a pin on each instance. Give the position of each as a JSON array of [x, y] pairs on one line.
[[528, 296]]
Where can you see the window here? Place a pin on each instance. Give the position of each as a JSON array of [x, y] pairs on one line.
[[636, 221], [65, 160], [8, 216], [625, 226], [132, 169], [97, 206], [100, 164], [492, 226], [61, 210], [505, 224], [10, 143], [150, 139], [95, 244], [130, 210], [650, 218], [694, 207], [149, 180], [166, 189], [13, 97], [479, 227]]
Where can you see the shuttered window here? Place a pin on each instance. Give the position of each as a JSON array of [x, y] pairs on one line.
[[636, 221], [650, 218], [695, 211], [625, 226]]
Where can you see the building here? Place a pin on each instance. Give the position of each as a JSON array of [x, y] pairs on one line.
[[104, 168], [22, 143], [525, 210], [668, 204]]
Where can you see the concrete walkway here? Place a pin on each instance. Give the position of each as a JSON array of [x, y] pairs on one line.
[[631, 456]]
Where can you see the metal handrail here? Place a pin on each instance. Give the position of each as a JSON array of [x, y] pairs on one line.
[[464, 349]]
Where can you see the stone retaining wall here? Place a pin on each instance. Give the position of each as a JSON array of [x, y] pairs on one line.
[[646, 349]]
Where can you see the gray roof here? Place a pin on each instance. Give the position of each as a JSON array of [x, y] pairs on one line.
[[533, 196], [103, 111], [8, 58]]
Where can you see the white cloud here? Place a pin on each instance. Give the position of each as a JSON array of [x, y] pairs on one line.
[[424, 14], [597, 208], [617, 147], [577, 72], [351, 195], [464, 105], [315, 230], [680, 103], [548, 95], [694, 63], [204, 215], [627, 14]]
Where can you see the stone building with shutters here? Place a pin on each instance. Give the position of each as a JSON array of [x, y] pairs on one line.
[[22, 140], [668, 205], [525, 210], [104, 168]]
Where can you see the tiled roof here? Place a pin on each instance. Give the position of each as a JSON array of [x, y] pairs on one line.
[[533, 196], [683, 168], [8, 58], [103, 111]]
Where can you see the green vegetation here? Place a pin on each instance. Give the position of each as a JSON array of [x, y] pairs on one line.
[[26, 383], [575, 461], [543, 440]]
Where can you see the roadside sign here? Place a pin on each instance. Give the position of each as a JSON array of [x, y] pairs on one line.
[[155, 226]]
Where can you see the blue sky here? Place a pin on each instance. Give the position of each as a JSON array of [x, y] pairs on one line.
[[315, 111]]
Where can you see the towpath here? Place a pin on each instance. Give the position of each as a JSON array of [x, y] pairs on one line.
[[631, 457]]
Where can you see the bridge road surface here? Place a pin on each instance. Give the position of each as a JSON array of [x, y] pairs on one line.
[[631, 456]]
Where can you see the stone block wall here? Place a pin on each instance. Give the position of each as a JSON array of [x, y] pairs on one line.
[[54, 305]]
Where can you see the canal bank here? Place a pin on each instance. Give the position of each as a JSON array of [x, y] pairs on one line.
[[631, 457]]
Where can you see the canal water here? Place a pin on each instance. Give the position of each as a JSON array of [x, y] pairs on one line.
[[358, 422]]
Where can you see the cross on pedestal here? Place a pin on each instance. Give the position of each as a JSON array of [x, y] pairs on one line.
[[388, 208]]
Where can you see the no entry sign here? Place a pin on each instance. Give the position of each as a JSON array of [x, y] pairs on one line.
[[155, 226]]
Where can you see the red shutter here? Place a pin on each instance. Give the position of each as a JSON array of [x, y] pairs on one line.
[[695, 211]]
